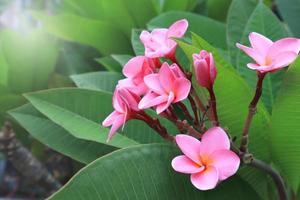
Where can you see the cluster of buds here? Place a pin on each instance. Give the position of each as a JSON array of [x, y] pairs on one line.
[[163, 86]]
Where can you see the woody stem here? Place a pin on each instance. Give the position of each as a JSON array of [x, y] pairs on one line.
[[155, 124], [185, 111], [251, 112], [213, 106]]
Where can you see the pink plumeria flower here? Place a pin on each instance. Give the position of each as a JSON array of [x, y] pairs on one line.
[[270, 56], [167, 86], [159, 42], [125, 104], [135, 70], [205, 68], [209, 161]]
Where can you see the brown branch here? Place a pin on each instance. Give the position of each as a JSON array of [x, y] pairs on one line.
[[213, 106], [251, 112], [24, 162]]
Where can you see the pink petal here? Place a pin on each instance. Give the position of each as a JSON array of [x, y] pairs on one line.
[[212, 69], [206, 179], [134, 66], [182, 87], [153, 83], [255, 55], [118, 102], [145, 36], [178, 28], [163, 106], [214, 139], [283, 45], [185, 165], [152, 99], [227, 163], [177, 71], [260, 43], [202, 73], [189, 146], [130, 98], [110, 119], [284, 59], [166, 77], [118, 122], [253, 66]]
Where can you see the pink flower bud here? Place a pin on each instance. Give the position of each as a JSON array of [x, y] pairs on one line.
[[205, 68]]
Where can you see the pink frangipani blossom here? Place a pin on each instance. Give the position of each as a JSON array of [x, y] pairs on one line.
[[135, 70], [159, 42], [125, 104], [208, 161], [270, 56], [205, 68], [167, 86]]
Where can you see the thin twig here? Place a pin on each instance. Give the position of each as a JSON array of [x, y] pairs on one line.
[[251, 113], [275, 176], [213, 106]]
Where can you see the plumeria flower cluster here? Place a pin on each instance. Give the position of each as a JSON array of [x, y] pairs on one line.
[[165, 87]]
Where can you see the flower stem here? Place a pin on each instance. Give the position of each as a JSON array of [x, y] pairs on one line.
[[251, 112], [185, 111], [275, 176], [155, 124], [213, 106]]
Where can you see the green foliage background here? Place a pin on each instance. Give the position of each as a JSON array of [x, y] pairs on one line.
[[75, 57]]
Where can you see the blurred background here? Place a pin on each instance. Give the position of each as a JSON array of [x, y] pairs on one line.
[[44, 44]]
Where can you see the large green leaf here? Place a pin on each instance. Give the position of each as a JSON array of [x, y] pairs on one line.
[[56, 137], [125, 14], [78, 111], [30, 57], [201, 25], [290, 11], [144, 172], [238, 16], [98, 34], [109, 64], [233, 97], [217, 9], [136, 43], [284, 131], [263, 21], [105, 81]]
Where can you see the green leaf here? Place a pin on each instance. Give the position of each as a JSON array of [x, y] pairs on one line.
[[201, 25], [290, 11], [179, 5], [56, 137], [110, 64], [9, 101], [136, 43], [233, 97], [124, 14], [103, 81], [144, 172], [121, 59], [263, 21], [218, 9], [238, 15], [35, 60], [98, 34], [284, 127], [78, 111]]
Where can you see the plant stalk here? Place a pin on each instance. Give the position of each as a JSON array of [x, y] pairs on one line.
[[251, 113], [281, 189], [213, 106]]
